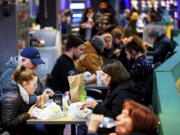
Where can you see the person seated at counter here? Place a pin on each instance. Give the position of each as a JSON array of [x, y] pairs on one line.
[[15, 108], [162, 47], [127, 121], [141, 70], [117, 79], [64, 66], [91, 60], [108, 46]]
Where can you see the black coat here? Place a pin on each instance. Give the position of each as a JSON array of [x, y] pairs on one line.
[[112, 105], [13, 111], [59, 76], [162, 49]]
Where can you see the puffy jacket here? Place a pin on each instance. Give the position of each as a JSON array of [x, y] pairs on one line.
[[5, 79], [13, 112], [90, 61]]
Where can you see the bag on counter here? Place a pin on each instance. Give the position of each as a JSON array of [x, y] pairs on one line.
[[75, 111], [77, 88], [50, 111]]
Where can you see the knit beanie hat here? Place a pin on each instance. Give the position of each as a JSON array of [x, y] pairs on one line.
[[97, 42]]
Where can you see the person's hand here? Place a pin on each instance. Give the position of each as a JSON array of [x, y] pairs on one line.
[[127, 40], [89, 104], [42, 100], [31, 110], [94, 122], [48, 92], [117, 52], [147, 45], [113, 134]]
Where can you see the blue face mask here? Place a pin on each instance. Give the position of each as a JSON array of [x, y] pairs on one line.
[[89, 16]]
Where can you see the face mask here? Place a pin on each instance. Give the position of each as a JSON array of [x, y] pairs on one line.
[[90, 16]]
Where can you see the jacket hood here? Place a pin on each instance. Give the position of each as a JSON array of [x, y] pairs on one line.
[[10, 85], [13, 62], [89, 48]]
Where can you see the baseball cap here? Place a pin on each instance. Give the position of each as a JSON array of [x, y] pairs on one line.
[[32, 54]]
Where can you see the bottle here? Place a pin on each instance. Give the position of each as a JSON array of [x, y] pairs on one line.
[[66, 101], [107, 123], [58, 99]]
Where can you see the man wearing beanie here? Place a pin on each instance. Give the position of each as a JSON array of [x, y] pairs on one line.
[[91, 60], [162, 47], [65, 65]]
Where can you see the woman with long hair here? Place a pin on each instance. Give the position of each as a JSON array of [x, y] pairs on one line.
[[117, 79], [15, 108]]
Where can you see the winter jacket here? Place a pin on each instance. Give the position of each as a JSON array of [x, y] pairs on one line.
[[13, 112], [5, 79], [141, 72], [161, 49], [112, 105], [90, 61], [141, 69]]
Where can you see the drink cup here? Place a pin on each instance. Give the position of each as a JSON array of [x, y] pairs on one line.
[[99, 77], [108, 123]]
